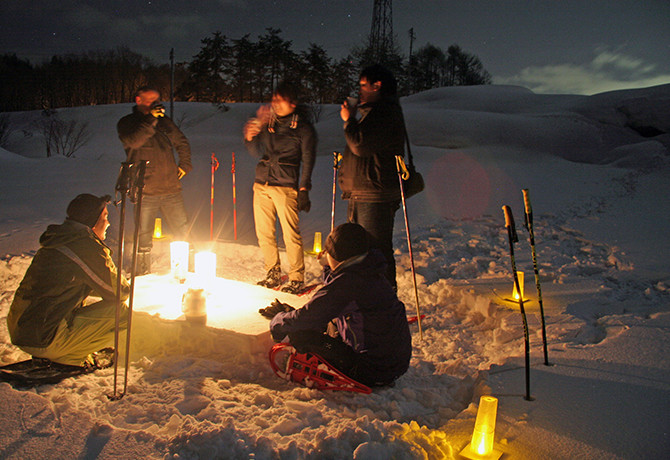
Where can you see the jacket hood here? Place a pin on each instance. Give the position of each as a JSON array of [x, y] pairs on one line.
[[373, 264], [59, 235]]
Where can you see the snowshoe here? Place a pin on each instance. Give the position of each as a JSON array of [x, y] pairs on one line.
[[39, 371], [311, 370]]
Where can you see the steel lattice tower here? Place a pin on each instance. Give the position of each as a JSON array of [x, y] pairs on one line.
[[381, 32]]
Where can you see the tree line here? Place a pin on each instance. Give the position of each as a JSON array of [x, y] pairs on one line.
[[224, 70]]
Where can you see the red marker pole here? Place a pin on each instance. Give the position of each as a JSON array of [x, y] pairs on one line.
[[215, 165], [232, 171]]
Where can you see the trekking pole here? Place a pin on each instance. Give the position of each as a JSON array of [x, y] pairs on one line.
[[139, 186], [232, 171], [404, 174], [513, 238], [336, 160], [122, 187], [215, 165], [528, 214]]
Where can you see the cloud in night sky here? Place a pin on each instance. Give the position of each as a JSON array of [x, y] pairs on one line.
[[549, 46], [607, 71]]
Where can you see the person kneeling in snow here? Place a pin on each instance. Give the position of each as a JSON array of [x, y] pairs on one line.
[[48, 318], [355, 321]]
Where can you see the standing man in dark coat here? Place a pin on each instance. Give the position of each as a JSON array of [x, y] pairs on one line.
[[48, 317], [368, 176], [283, 138], [147, 134], [372, 343]]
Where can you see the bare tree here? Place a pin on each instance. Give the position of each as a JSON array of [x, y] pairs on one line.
[[62, 137]]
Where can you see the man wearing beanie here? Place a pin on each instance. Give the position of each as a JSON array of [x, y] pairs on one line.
[[370, 340], [49, 317]]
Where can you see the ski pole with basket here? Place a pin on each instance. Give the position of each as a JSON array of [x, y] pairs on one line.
[[130, 185], [403, 175], [513, 238], [528, 215]]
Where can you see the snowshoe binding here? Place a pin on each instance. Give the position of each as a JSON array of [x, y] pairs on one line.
[[311, 370]]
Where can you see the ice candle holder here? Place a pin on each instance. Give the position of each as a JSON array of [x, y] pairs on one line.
[[205, 265], [179, 259], [158, 228], [481, 445]]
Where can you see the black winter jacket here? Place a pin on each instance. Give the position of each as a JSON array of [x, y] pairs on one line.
[[283, 151], [369, 317], [145, 137], [368, 170], [71, 264]]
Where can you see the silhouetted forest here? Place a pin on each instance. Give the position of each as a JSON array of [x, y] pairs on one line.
[[224, 70]]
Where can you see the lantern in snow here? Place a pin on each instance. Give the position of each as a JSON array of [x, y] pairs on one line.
[[158, 228], [481, 446], [515, 293], [179, 259], [194, 306], [317, 242], [205, 265]]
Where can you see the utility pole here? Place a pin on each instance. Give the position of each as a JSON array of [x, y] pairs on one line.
[[172, 83], [381, 32], [410, 85]]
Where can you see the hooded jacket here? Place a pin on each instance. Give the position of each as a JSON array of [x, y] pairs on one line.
[[367, 312], [71, 264], [282, 146], [145, 137], [368, 170]]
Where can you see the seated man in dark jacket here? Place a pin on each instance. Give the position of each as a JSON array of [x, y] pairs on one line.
[[48, 317], [372, 342]]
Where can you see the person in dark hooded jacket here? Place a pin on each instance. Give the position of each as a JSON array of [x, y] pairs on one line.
[[49, 317], [370, 342], [284, 140]]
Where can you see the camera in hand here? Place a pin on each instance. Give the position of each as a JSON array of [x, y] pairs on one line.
[[157, 109]]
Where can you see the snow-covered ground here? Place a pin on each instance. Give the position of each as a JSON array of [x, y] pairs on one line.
[[599, 191]]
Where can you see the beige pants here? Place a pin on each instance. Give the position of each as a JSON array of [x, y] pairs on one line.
[[271, 202]]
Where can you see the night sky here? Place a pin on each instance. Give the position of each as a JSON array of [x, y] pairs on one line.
[[550, 46]]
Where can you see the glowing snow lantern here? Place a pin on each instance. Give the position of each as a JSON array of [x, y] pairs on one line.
[[194, 306], [205, 265], [515, 293], [158, 228], [179, 259], [317, 242], [481, 446]]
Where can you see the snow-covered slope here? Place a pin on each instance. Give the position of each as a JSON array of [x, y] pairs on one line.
[[598, 175]]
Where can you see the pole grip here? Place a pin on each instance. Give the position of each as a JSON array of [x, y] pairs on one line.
[[509, 219], [509, 224], [526, 201]]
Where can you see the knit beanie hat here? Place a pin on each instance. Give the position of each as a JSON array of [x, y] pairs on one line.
[[86, 208], [346, 241]]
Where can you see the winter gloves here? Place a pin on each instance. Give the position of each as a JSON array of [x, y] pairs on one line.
[[303, 201], [275, 307]]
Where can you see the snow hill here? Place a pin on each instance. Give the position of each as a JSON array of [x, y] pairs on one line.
[[598, 173]]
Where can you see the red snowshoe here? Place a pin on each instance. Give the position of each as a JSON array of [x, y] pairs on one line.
[[311, 370]]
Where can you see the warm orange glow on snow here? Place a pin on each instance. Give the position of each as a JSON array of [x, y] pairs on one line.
[[231, 305]]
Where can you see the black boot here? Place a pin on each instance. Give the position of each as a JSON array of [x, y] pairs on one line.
[[272, 279]]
